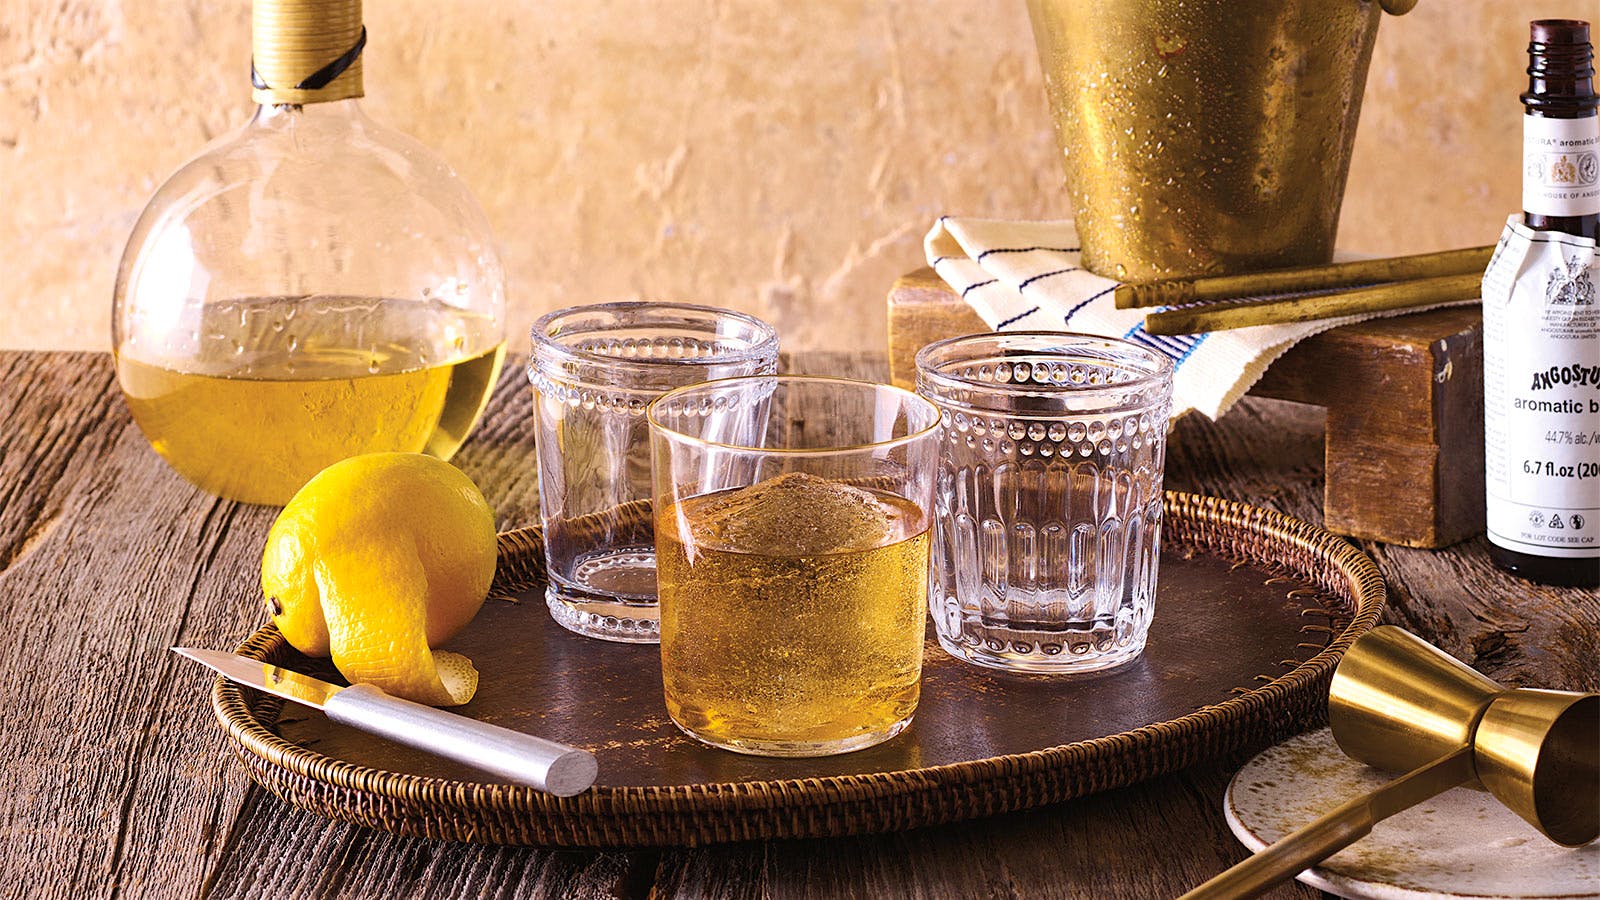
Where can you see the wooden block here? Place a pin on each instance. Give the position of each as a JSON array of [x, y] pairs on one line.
[[1404, 447], [1404, 396], [923, 309]]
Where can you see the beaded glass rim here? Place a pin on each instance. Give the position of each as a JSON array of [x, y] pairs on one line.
[[935, 361], [761, 344]]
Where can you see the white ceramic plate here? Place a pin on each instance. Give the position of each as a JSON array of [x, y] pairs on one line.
[[1462, 843]]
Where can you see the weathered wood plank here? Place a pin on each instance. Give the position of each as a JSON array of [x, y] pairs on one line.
[[113, 786], [282, 852], [119, 783], [1116, 844]]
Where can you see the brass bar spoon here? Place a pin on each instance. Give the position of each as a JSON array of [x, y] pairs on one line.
[[1354, 273], [1360, 301]]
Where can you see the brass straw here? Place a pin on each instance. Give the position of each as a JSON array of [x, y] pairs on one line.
[[1307, 278], [1379, 298], [292, 39]]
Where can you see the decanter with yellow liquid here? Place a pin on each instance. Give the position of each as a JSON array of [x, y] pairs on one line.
[[311, 287]]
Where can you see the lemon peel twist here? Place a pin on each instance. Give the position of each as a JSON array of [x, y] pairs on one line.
[[377, 560]]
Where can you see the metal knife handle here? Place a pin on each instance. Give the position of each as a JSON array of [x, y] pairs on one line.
[[523, 758]]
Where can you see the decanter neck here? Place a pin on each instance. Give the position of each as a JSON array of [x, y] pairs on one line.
[[306, 51]]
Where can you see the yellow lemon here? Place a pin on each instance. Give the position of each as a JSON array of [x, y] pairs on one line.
[[377, 560]]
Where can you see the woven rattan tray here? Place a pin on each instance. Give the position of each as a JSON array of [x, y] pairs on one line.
[[1253, 612]]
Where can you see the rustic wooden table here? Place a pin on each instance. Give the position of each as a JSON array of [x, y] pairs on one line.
[[116, 781]]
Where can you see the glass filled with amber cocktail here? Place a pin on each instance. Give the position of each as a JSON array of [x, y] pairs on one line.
[[792, 540]]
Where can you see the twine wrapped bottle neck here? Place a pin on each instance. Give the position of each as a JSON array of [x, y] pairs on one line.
[[306, 51]]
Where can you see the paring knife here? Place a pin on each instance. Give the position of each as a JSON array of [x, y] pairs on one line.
[[523, 758]]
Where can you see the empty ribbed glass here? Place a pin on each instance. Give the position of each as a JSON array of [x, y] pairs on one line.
[[1048, 499]]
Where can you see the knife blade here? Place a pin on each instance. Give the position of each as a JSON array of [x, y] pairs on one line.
[[285, 683], [546, 765]]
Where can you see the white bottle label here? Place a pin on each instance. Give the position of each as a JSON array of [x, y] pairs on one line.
[[1561, 166], [1541, 403]]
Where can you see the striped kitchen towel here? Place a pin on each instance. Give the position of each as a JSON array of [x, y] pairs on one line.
[[1025, 276]]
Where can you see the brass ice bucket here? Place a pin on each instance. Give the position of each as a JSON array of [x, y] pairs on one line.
[[1205, 136]]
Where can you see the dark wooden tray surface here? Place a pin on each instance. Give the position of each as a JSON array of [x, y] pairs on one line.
[[1217, 627]]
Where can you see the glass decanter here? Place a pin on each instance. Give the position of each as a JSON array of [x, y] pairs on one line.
[[311, 287]]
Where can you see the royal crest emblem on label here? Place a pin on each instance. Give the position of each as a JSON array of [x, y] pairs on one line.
[[1560, 170], [1563, 171], [1569, 284]]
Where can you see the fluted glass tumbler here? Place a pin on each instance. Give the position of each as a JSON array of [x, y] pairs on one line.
[[1051, 447], [792, 534], [594, 370]]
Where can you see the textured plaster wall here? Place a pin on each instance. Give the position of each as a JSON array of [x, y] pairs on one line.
[[783, 158]]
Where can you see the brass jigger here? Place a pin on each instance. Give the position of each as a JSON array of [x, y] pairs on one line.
[[1399, 703]]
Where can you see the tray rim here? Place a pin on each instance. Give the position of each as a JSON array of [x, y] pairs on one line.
[[632, 816]]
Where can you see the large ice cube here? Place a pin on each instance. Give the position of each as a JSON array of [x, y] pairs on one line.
[[794, 514]]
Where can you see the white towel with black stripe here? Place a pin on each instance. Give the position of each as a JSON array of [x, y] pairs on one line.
[[1025, 276]]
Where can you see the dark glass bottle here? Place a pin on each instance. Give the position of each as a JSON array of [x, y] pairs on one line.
[[1560, 87]]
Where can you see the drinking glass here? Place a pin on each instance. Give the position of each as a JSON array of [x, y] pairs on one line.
[[792, 535], [594, 370], [1051, 447]]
